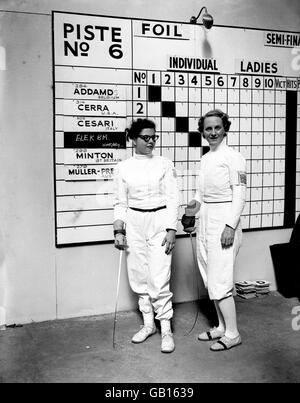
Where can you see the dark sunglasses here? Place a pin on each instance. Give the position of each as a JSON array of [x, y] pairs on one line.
[[147, 138]]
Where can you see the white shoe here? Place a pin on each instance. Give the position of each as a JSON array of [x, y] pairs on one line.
[[167, 342], [143, 334]]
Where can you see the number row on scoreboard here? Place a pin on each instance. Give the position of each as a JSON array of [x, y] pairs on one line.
[[207, 80]]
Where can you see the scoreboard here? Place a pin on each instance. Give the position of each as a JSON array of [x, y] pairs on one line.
[[110, 70]]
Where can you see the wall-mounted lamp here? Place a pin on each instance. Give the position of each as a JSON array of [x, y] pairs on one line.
[[207, 19]]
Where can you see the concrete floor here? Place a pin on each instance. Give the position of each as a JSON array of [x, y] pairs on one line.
[[80, 350]]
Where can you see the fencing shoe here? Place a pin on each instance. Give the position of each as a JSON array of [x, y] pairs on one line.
[[143, 334], [167, 342]]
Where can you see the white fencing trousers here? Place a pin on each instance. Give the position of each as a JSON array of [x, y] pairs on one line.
[[215, 263], [149, 267]]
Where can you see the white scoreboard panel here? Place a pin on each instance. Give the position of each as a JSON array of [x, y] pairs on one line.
[[108, 71]]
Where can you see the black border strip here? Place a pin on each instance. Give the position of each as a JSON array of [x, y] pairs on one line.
[[290, 158]]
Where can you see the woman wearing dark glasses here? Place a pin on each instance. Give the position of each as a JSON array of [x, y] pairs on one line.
[[146, 207]]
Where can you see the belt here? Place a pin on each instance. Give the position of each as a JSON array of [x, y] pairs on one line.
[[148, 210], [217, 202]]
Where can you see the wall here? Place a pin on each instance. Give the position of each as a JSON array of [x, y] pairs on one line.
[[37, 281]]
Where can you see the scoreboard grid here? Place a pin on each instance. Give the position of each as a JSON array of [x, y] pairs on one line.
[[270, 105]]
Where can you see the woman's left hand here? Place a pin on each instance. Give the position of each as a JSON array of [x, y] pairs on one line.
[[169, 240], [227, 237]]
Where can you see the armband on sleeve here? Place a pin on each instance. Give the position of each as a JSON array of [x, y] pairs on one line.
[[119, 231], [242, 178]]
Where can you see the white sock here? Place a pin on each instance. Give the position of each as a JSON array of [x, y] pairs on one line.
[[165, 326], [148, 319]]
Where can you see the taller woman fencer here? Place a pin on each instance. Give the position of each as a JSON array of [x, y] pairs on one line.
[[146, 207], [221, 196]]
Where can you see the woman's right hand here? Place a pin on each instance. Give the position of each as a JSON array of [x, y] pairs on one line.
[[120, 242]]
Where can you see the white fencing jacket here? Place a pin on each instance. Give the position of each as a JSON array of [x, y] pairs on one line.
[[146, 182], [222, 178]]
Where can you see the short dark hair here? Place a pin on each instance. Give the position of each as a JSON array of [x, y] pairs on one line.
[[137, 126], [215, 112]]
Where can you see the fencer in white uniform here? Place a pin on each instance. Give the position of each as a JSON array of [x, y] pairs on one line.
[[221, 196], [146, 204]]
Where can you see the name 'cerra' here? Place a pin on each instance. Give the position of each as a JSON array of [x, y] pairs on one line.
[[93, 107]]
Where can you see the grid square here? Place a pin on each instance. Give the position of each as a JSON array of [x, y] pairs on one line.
[[168, 152], [258, 97], [255, 221], [257, 110], [223, 107], [168, 109], [269, 96], [256, 207], [233, 96], [267, 220], [181, 94], [279, 179], [233, 110], [278, 206], [195, 139], [207, 95], [182, 124], [154, 93], [233, 138], [167, 139], [181, 139], [269, 110], [256, 193], [154, 109], [194, 95], [193, 124], [245, 96], [167, 94], [256, 180], [269, 138], [245, 110], [182, 109], [257, 124], [220, 95], [279, 166], [279, 192], [278, 220], [195, 110], [194, 153]]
